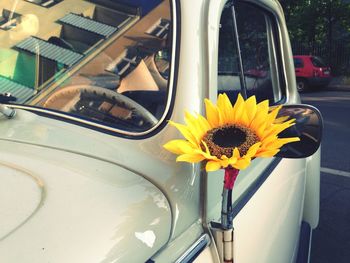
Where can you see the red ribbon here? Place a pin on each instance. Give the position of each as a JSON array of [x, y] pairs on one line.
[[230, 177]]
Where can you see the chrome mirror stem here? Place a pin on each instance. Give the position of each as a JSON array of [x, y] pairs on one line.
[[7, 111]]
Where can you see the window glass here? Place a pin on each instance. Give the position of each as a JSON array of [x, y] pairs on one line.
[[99, 60], [257, 52], [298, 63], [318, 62]]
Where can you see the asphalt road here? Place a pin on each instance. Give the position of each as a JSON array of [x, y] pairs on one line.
[[331, 240]]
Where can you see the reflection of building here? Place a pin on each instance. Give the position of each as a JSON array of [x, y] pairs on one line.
[[145, 6], [41, 40]]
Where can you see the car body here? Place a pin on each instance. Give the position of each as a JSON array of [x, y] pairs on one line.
[[311, 71], [84, 176]]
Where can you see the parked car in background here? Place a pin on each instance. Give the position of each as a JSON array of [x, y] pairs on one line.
[[84, 176], [311, 71]]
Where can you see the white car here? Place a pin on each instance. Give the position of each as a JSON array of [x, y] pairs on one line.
[[86, 92]]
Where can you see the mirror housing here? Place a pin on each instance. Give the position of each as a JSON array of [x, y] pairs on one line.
[[308, 127]]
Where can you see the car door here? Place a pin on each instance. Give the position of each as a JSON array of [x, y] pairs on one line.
[[268, 196]]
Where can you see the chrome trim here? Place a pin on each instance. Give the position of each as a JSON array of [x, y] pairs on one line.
[[112, 129], [193, 252]]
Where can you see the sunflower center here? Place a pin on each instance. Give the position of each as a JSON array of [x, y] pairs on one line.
[[224, 139], [229, 137]]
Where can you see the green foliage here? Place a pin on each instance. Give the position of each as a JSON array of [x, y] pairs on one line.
[[319, 23], [315, 20]]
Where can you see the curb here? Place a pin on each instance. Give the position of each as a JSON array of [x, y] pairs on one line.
[[337, 88]]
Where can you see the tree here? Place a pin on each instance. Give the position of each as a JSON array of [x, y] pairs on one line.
[[319, 24]]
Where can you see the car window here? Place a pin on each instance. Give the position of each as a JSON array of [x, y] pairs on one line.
[[258, 41], [317, 62], [298, 63], [258, 54], [107, 62]]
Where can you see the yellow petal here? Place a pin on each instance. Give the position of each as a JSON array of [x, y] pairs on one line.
[[232, 160], [280, 142], [203, 124], [207, 154], [275, 129], [185, 132], [267, 153], [244, 118], [225, 107], [240, 112], [273, 114], [212, 166], [224, 161], [194, 125], [262, 110], [179, 146], [268, 140], [236, 153], [190, 121], [251, 108], [253, 149], [263, 106], [211, 113], [242, 163], [238, 108], [190, 158], [290, 139], [206, 147], [258, 124], [281, 119]]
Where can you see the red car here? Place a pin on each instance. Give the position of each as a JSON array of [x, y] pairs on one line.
[[311, 71]]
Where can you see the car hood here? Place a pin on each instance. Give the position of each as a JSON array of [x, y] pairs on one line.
[[59, 206]]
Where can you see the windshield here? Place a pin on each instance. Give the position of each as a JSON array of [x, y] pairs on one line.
[[105, 61], [318, 62]]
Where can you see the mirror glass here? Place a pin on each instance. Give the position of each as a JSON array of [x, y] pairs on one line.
[[308, 127]]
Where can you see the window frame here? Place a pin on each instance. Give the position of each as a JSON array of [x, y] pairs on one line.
[[105, 128], [274, 43], [251, 180]]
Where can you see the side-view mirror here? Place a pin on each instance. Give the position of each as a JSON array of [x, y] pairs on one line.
[[308, 127]]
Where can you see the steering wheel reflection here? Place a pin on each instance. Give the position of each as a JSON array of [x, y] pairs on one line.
[[100, 104]]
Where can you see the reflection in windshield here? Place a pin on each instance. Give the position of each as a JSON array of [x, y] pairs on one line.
[[106, 61]]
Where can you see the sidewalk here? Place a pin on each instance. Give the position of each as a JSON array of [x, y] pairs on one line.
[[338, 84]]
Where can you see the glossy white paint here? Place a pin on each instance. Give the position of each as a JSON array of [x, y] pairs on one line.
[[267, 228], [153, 162], [72, 208], [212, 38], [178, 246], [205, 257], [312, 193], [22, 194]]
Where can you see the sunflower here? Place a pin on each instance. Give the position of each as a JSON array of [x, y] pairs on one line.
[[231, 136]]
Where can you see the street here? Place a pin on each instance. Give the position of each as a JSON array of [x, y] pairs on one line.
[[331, 240]]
